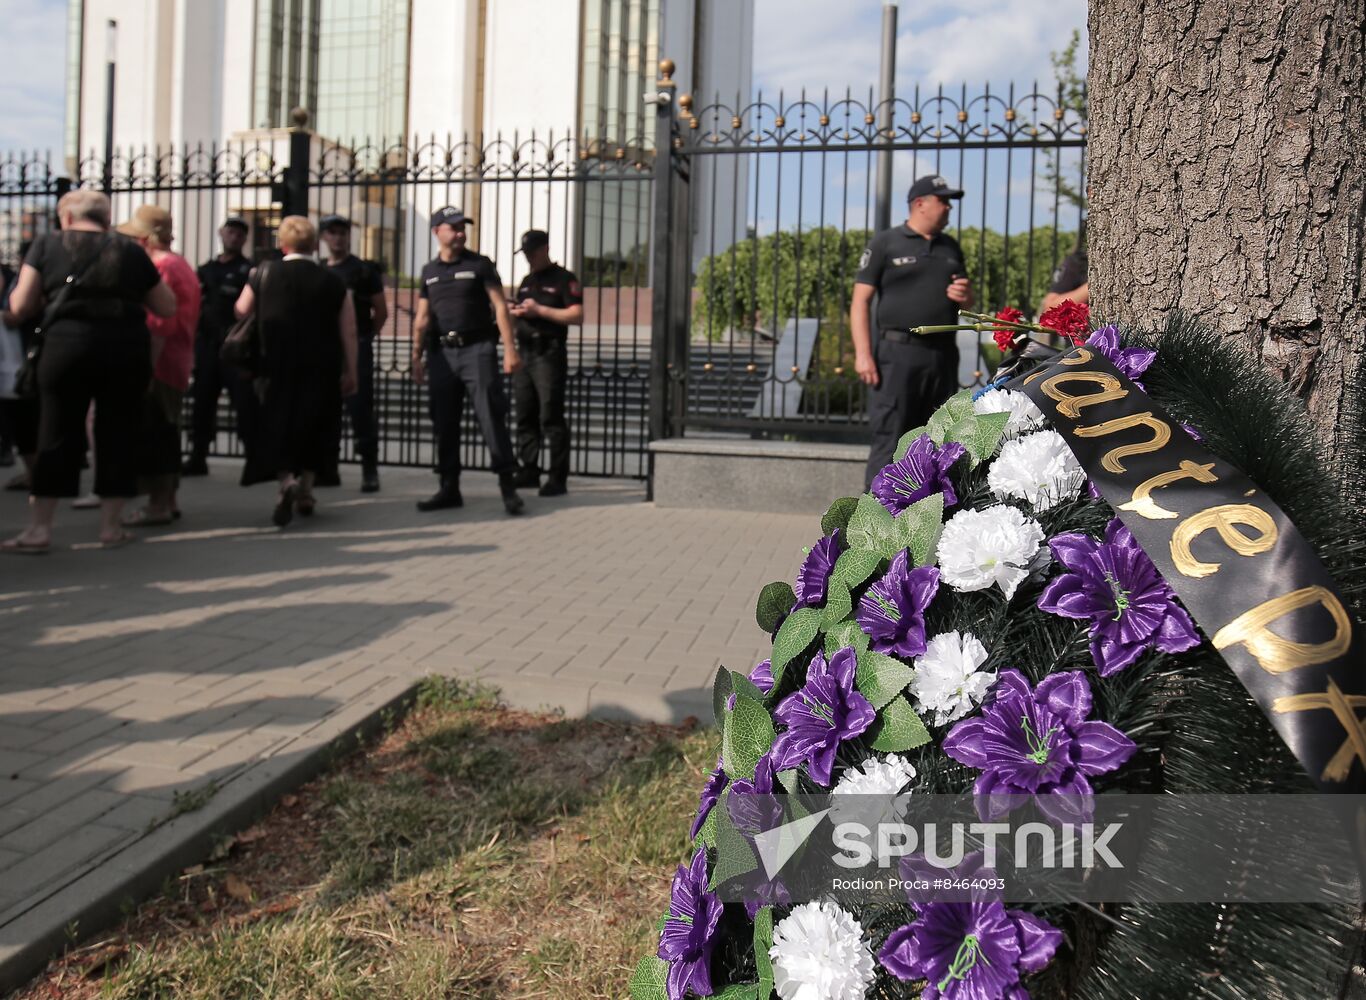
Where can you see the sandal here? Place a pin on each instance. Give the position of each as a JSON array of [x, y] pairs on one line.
[[284, 507], [118, 541], [141, 519], [19, 547]]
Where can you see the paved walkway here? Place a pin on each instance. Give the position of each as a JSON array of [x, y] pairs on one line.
[[188, 668]]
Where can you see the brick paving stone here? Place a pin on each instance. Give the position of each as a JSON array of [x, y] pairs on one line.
[[209, 650]]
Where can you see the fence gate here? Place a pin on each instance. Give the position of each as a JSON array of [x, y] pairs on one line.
[[767, 207]]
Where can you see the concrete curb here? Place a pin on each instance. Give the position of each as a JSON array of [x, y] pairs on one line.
[[97, 898]]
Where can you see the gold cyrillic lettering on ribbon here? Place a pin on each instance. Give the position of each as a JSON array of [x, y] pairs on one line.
[[1225, 520], [1070, 405], [1112, 462], [1277, 655], [1345, 708], [1145, 506]]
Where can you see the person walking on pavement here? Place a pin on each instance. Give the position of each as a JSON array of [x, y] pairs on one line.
[[548, 301], [367, 292], [221, 281], [461, 315], [918, 274]]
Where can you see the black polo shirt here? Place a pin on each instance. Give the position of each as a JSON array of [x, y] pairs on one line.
[[365, 282], [1070, 274], [457, 291], [220, 283], [912, 275], [553, 286]]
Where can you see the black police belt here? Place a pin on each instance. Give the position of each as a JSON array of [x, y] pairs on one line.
[[466, 338], [907, 337]]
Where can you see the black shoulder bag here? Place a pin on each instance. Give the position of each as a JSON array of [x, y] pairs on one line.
[[243, 347], [26, 379]]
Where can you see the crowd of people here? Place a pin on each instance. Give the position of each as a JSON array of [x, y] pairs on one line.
[[117, 328]]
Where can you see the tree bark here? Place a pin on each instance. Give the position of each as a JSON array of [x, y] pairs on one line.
[[1227, 171]]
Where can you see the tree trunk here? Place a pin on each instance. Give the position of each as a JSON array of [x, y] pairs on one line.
[[1228, 180]]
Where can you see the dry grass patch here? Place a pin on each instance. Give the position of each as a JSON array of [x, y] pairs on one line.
[[472, 852]]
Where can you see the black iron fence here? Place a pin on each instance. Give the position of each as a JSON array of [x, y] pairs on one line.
[[717, 278], [755, 337]]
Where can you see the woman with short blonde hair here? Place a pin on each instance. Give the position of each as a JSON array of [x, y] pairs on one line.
[[307, 326]]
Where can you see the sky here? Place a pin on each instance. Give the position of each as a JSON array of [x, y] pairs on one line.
[[795, 45]]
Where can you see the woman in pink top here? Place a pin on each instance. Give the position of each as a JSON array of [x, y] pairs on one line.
[[172, 360]]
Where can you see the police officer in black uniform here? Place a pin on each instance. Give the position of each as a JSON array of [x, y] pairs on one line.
[[917, 271], [548, 300], [220, 283], [461, 314], [367, 292], [1069, 279]]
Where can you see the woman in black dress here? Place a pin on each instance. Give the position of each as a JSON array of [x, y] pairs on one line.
[[308, 336], [96, 348]]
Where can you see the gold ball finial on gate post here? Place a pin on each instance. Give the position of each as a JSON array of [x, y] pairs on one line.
[[666, 72]]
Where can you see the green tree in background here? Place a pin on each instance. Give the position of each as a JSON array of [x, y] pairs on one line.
[[1072, 94]]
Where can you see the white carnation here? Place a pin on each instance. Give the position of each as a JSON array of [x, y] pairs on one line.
[[947, 680], [819, 953], [876, 789], [1024, 415], [1039, 468], [983, 547]]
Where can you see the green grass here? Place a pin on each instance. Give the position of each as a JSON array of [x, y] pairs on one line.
[[472, 852]]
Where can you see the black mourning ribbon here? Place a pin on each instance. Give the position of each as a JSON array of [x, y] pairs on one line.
[[1242, 569]]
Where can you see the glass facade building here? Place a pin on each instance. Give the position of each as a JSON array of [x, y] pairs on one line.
[[344, 60], [75, 39]]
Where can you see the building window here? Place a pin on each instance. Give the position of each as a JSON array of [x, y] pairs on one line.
[[286, 60], [619, 61], [75, 30]]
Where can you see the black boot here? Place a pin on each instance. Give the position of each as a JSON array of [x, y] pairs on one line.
[[369, 477], [195, 465], [526, 477], [507, 485], [553, 488], [446, 497]]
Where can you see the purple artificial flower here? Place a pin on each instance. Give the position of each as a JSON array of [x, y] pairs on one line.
[[970, 951], [762, 676], [814, 576], [711, 794], [892, 611], [689, 933], [1037, 742], [1131, 361], [1115, 585], [826, 711], [754, 808], [923, 470]]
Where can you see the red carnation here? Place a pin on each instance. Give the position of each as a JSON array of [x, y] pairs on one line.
[[1071, 319], [1005, 338]]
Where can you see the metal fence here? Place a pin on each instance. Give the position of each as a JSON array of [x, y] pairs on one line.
[[717, 278], [755, 335]]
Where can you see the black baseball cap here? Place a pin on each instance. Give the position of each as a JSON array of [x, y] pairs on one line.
[[932, 184], [237, 222], [329, 221], [449, 216], [533, 238]]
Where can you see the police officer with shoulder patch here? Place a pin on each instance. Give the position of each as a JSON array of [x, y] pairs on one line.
[[221, 280], [461, 314], [367, 292], [548, 301], [918, 273]]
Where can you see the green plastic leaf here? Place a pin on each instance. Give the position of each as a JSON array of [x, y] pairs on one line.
[[855, 566], [746, 736], [838, 603], [788, 779], [793, 638], [903, 445], [845, 634], [958, 406], [763, 941], [740, 991], [899, 728], [837, 515], [721, 688], [980, 434], [650, 979], [775, 600], [919, 527], [734, 856], [706, 835], [741, 684], [880, 677], [871, 528]]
